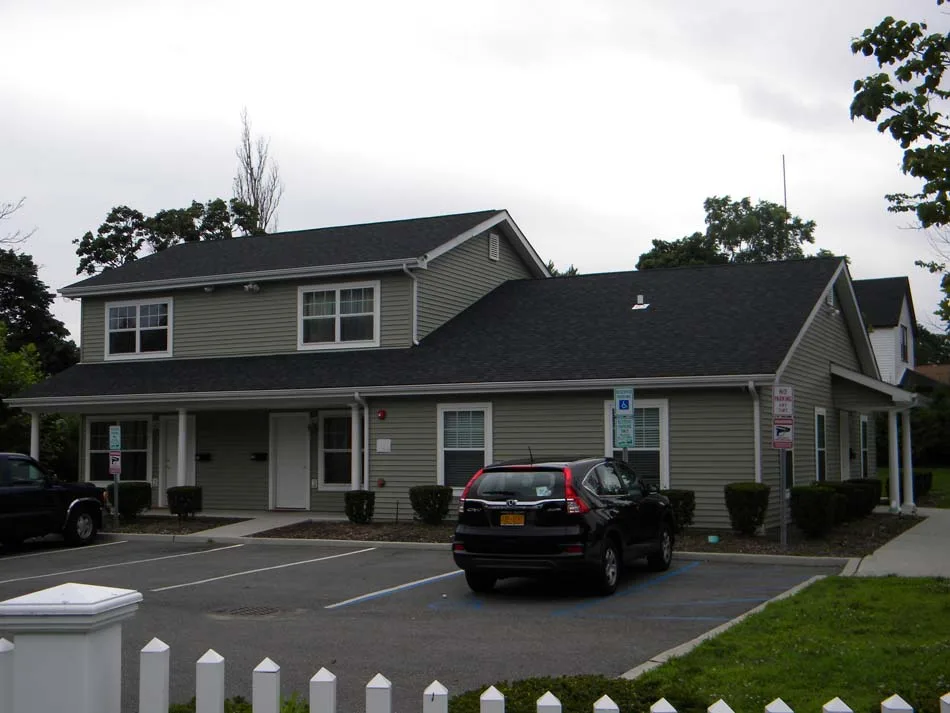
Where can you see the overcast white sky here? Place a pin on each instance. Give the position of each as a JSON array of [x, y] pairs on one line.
[[599, 125]]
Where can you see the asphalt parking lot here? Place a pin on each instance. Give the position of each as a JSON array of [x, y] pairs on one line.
[[407, 614]]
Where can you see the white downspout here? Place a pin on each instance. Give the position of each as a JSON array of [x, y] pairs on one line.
[[362, 402], [415, 305], [756, 431]]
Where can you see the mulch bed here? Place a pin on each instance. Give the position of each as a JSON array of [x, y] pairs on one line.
[[164, 525], [852, 539]]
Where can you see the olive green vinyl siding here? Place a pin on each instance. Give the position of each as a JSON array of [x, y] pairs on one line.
[[551, 426], [459, 278], [232, 322], [231, 480]]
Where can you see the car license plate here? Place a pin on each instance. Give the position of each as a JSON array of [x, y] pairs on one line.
[[512, 518]]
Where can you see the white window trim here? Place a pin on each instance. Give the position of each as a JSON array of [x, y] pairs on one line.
[[337, 286], [819, 411], [441, 409], [321, 475], [864, 446], [137, 354], [903, 343], [663, 406], [87, 451]]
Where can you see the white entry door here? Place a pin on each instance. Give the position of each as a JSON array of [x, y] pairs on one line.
[[290, 460], [168, 470]]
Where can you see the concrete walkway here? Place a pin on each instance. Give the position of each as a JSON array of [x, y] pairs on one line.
[[922, 551], [257, 521]]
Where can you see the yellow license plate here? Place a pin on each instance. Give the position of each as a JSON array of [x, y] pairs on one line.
[[512, 518]]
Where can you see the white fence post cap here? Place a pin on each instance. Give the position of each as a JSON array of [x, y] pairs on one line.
[[492, 694], [945, 703], [155, 646], [778, 706], [211, 656], [379, 681], [323, 675], [895, 703], [720, 706], [5, 645], [70, 606], [606, 704], [836, 705], [662, 706], [267, 666], [435, 689], [548, 702]]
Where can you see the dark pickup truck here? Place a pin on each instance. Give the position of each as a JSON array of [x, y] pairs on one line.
[[34, 503]]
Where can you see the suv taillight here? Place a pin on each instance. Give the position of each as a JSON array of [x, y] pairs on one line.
[[467, 488], [575, 505]]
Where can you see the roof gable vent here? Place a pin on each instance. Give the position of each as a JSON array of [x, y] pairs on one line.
[[493, 247]]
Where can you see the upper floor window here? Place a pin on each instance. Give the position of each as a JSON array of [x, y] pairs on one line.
[[139, 329], [331, 316], [905, 357]]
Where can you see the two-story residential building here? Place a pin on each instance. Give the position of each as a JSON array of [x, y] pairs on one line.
[[279, 371]]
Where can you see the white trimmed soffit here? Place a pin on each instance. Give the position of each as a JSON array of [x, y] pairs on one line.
[[864, 342], [497, 219], [223, 397], [309, 271], [897, 394]]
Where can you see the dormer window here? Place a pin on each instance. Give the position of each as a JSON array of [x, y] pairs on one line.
[[139, 329], [338, 316], [905, 356]]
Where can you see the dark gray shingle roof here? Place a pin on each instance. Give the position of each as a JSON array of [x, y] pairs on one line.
[[701, 321], [369, 242], [880, 300]]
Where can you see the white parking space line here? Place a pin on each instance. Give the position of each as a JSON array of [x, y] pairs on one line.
[[390, 590], [116, 564], [61, 549], [259, 569]]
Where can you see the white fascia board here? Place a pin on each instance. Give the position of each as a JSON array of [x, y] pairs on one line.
[[222, 397], [498, 218], [898, 394], [309, 271], [865, 339]]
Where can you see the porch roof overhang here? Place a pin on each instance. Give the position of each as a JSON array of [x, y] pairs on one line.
[[854, 391]]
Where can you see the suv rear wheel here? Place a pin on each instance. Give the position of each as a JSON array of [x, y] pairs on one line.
[[660, 560], [480, 582], [609, 574], [81, 527]]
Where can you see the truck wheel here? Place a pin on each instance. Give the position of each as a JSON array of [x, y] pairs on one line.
[[608, 576], [480, 582], [660, 560], [81, 527]]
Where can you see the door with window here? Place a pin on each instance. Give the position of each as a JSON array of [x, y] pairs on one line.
[[335, 451]]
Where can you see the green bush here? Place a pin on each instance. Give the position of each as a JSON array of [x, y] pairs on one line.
[[359, 505], [747, 503], [431, 502], [870, 489], [239, 704], [134, 497], [854, 499], [813, 509], [684, 506], [184, 500]]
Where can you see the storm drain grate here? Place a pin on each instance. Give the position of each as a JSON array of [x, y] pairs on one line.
[[249, 611]]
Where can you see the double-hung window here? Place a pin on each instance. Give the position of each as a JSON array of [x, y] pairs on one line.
[[649, 455], [821, 460], [865, 437], [464, 440], [134, 449], [334, 316], [139, 329], [905, 349]]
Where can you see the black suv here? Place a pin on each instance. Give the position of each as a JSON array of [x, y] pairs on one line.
[[34, 503], [587, 516]]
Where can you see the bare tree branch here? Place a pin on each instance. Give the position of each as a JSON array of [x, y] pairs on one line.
[[17, 236], [258, 181]]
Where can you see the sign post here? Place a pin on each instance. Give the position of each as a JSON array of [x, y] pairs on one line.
[[783, 439], [623, 419], [115, 466]]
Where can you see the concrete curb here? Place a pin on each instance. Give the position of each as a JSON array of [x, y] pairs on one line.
[[682, 649], [851, 569], [739, 558]]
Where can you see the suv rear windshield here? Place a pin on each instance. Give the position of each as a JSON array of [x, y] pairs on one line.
[[523, 485]]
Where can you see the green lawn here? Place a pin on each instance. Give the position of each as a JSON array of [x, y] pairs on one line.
[[938, 497], [860, 639]]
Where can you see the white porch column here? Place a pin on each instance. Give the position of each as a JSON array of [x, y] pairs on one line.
[[34, 435], [182, 478], [356, 455], [68, 654], [893, 461], [908, 500]]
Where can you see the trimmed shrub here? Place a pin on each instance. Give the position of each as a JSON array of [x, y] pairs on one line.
[[747, 503], [870, 489], [854, 499], [134, 497], [359, 505], [684, 506], [431, 502], [184, 500], [813, 509]]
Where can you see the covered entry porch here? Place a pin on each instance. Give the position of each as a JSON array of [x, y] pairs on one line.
[[855, 392]]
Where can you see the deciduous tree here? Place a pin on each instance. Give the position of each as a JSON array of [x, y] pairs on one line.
[[257, 182]]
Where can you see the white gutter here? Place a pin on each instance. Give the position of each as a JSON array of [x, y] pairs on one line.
[[684, 382], [415, 305], [236, 277], [362, 402], [756, 430]]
